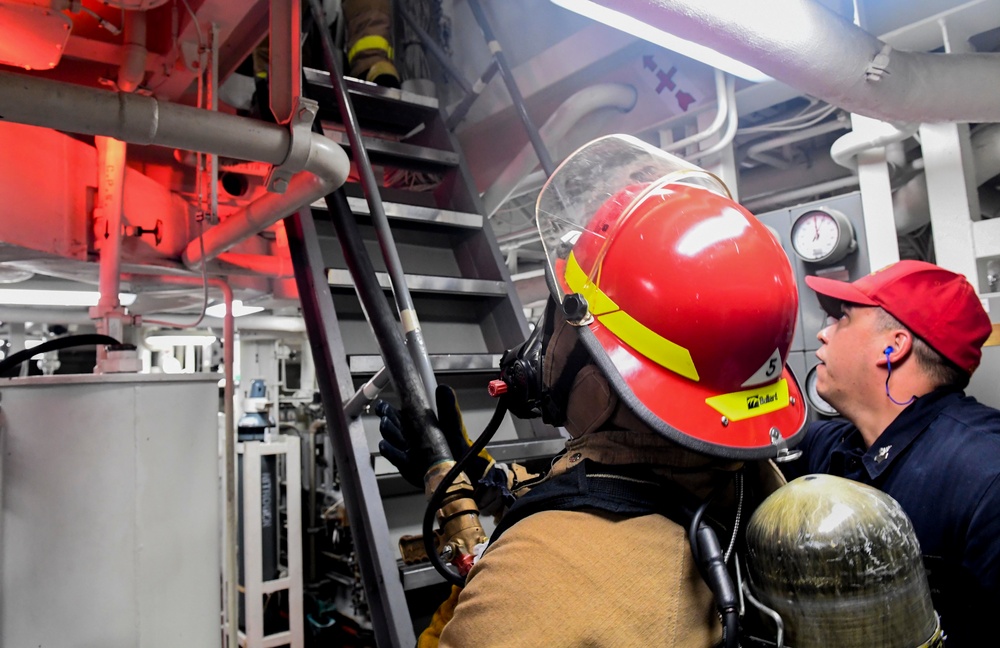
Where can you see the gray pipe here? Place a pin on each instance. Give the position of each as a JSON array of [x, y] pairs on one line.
[[821, 54], [328, 167], [143, 120], [138, 120]]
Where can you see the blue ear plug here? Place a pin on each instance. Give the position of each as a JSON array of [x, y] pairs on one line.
[[888, 351]]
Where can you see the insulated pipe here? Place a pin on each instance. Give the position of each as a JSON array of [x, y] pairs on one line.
[[404, 303], [143, 120], [515, 94], [819, 53], [274, 266], [137, 119], [608, 95], [758, 204], [327, 166], [728, 135]]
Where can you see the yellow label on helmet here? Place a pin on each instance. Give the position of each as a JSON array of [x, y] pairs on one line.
[[748, 403]]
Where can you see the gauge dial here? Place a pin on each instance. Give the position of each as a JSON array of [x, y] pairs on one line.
[[823, 236], [815, 399]]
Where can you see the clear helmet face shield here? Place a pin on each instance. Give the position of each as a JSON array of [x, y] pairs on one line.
[[606, 178], [689, 302]]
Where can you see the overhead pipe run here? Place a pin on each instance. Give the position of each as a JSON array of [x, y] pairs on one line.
[[758, 152], [821, 54], [728, 135], [144, 120], [758, 204], [136, 119]]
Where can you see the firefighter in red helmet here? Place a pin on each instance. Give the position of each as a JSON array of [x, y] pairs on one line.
[[662, 353]]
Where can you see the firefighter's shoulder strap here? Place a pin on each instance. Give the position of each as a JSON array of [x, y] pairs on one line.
[[623, 490]]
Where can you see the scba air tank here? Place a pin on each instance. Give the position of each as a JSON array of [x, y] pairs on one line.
[[840, 563]]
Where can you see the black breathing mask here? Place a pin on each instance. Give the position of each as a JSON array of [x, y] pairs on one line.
[[521, 369], [521, 373]]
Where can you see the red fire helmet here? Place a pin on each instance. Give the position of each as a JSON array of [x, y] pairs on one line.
[[691, 306]]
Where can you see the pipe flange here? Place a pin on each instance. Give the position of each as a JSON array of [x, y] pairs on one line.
[[303, 113]]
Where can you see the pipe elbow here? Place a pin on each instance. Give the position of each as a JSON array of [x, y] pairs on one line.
[[133, 68], [845, 149], [328, 161]]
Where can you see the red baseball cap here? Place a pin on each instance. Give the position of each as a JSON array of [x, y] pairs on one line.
[[939, 306]]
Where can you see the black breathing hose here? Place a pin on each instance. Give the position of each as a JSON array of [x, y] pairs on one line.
[[435, 501], [65, 342], [709, 558]]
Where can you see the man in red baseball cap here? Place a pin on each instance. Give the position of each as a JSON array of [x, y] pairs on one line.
[[906, 340]]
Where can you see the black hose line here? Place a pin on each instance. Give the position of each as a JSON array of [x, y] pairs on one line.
[[711, 562], [439, 493], [414, 401], [66, 342]]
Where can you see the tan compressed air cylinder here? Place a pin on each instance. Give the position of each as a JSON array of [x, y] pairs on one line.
[[839, 561]]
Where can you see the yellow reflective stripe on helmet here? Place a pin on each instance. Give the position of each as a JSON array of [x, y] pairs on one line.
[[629, 330], [370, 43], [597, 302], [748, 403]]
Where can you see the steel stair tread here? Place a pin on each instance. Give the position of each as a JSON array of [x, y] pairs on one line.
[[394, 153], [440, 362], [341, 278], [415, 213], [378, 108]]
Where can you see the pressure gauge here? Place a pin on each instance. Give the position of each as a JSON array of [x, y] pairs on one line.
[[815, 399], [823, 236]]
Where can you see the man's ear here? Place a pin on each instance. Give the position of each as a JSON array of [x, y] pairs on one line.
[[898, 346]]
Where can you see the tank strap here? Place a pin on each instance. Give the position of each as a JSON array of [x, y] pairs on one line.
[[620, 490]]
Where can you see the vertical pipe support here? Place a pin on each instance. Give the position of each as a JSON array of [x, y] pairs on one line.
[[108, 219]]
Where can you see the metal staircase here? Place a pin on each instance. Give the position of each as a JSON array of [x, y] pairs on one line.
[[460, 287]]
